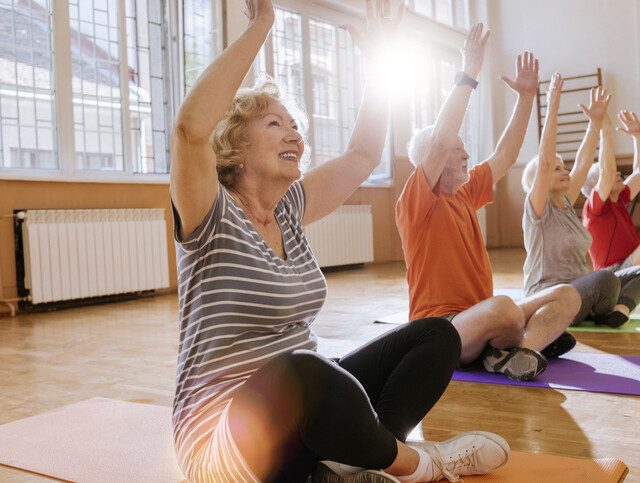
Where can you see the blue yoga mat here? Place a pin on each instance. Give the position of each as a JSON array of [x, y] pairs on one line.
[[576, 371]]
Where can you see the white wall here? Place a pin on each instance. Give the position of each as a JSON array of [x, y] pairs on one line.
[[572, 37]]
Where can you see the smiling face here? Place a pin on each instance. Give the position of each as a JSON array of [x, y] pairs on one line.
[[274, 147], [455, 172], [561, 177]]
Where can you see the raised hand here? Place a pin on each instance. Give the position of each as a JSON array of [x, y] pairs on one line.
[[630, 122], [259, 10], [526, 81], [380, 29], [473, 51], [555, 90], [598, 104]]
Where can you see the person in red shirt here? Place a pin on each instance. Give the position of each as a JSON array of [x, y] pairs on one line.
[[448, 269], [616, 242]]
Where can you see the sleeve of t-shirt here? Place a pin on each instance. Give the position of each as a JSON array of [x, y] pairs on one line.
[[416, 200], [595, 205], [296, 197], [479, 188], [208, 226], [531, 216], [625, 196]]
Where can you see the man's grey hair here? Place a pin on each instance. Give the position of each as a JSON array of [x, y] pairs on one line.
[[419, 144], [592, 180]]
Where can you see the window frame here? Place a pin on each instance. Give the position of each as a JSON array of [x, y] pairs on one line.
[[63, 116]]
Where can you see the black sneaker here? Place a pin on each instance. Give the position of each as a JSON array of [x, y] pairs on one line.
[[561, 345], [612, 319], [519, 363]]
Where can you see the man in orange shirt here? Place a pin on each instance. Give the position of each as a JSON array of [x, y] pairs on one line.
[[449, 273]]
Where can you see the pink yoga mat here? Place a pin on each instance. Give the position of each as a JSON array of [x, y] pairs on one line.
[[577, 371]]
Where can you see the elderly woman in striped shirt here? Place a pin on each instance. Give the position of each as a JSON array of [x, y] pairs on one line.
[[254, 400]]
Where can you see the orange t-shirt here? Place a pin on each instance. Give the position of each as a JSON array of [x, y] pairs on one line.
[[448, 268]]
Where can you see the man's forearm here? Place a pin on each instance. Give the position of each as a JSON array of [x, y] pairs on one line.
[[513, 136]]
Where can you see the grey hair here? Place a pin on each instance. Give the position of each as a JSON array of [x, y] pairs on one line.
[[529, 174], [419, 144], [592, 180]]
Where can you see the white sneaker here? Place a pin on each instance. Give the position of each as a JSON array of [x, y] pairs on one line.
[[471, 453], [332, 472]]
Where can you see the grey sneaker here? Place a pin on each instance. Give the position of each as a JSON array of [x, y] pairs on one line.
[[332, 472], [519, 363], [471, 453]]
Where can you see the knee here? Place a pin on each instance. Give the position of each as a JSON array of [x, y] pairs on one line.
[[607, 281], [506, 315], [440, 329], [569, 298]]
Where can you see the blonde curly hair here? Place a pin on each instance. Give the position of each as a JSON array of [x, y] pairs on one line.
[[229, 138]]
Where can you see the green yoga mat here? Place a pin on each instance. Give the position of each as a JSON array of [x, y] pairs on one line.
[[633, 326]]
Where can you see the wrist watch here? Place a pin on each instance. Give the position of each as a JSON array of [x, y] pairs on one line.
[[462, 79]]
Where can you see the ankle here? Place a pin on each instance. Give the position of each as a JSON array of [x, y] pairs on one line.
[[422, 472], [621, 308], [406, 462]]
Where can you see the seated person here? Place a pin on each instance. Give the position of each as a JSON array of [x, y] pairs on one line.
[[616, 242], [448, 269], [556, 241]]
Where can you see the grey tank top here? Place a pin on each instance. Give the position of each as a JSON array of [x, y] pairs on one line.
[[557, 246], [240, 305]]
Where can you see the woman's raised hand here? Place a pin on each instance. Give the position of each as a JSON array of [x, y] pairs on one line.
[[259, 10], [380, 29], [598, 104]]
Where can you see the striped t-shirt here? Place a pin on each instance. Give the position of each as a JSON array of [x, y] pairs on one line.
[[240, 306]]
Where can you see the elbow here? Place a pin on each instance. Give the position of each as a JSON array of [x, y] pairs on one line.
[[186, 131]]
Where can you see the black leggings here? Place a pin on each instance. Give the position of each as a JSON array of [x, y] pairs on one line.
[[600, 291], [352, 410]]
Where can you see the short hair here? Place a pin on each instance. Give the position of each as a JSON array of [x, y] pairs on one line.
[[592, 180], [529, 173], [229, 138], [419, 144]]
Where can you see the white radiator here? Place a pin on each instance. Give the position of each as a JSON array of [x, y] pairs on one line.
[[344, 237], [72, 254]]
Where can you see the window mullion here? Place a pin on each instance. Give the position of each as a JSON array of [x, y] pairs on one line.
[[307, 77], [63, 91], [124, 89]]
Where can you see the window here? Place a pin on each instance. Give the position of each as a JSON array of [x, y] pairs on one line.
[[318, 64], [201, 37], [449, 12], [27, 93], [86, 85]]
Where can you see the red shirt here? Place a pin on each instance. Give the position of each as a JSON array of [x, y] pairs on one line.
[[448, 267], [614, 235]]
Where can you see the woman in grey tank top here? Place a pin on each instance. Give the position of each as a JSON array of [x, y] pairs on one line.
[[556, 241], [254, 400]]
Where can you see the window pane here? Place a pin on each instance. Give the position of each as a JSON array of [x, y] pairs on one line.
[[202, 37], [326, 127], [461, 10], [444, 11], [27, 134], [287, 52], [147, 101], [425, 7], [96, 84]]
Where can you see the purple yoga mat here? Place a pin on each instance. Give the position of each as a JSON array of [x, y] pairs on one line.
[[577, 371]]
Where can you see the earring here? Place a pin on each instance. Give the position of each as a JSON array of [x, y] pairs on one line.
[[241, 166]]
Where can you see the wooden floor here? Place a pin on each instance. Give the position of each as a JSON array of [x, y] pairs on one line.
[[127, 351]]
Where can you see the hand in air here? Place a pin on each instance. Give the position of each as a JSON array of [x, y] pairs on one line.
[[526, 81], [473, 51], [598, 104], [555, 90], [257, 10], [630, 122], [380, 30]]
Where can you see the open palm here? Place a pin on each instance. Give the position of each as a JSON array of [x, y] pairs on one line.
[[630, 122], [526, 81]]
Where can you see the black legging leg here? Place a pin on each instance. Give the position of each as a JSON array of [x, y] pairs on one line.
[[599, 292], [406, 370], [315, 409], [630, 287]]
